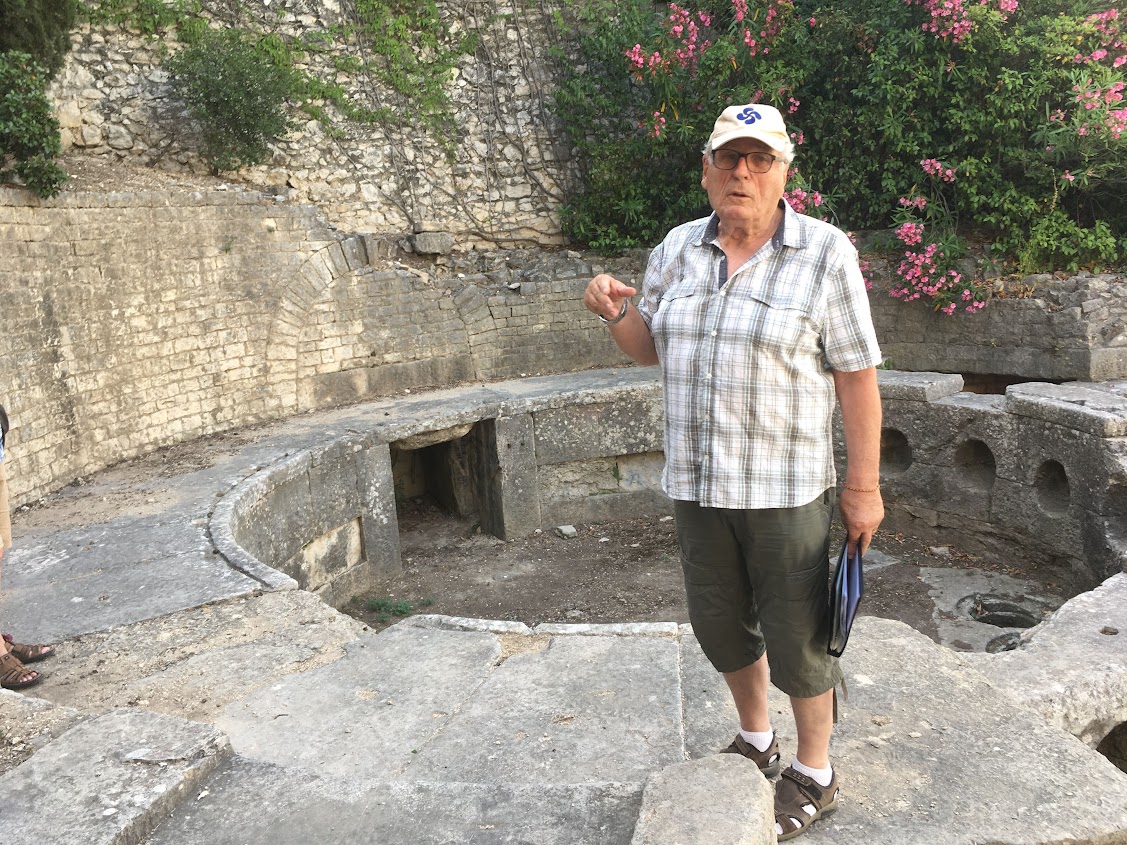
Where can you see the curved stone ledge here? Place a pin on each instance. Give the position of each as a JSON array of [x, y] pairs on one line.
[[1033, 476]]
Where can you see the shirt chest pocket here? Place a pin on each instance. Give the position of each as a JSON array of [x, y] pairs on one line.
[[777, 320], [679, 311]]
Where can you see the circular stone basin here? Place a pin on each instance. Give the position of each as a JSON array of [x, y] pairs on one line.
[[1001, 612]]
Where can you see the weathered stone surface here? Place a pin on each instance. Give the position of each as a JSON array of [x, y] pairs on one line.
[[921, 387], [515, 509], [624, 426], [917, 750], [721, 800], [1070, 669], [570, 709], [258, 803], [1067, 329], [192, 664], [109, 780], [433, 243], [1070, 405], [388, 696]]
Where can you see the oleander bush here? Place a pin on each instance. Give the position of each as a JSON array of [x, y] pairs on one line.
[[996, 122]]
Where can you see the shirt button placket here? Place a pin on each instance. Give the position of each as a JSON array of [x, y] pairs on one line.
[[712, 334]]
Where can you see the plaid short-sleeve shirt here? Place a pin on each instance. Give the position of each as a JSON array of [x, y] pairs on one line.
[[747, 362]]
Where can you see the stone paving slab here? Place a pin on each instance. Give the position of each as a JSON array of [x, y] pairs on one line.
[[100, 600], [565, 710], [192, 664], [108, 781], [253, 802], [931, 751], [106, 547], [368, 714]]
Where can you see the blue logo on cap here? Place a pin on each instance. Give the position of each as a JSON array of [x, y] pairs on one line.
[[749, 116]]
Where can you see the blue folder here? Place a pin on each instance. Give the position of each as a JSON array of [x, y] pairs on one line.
[[845, 596]]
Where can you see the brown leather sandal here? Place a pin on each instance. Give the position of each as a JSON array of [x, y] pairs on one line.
[[767, 761], [13, 674], [800, 801], [28, 653]]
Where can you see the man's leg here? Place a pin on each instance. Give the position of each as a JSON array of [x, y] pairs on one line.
[[749, 691], [814, 719]]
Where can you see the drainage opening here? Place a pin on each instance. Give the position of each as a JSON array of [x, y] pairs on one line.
[[1051, 484], [895, 452], [437, 469], [1002, 613], [976, 463], [1114, 746]]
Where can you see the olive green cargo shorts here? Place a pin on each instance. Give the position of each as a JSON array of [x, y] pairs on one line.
[[758, 581]]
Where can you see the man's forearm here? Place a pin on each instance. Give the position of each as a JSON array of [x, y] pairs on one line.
[[859, 397], [633, 337]]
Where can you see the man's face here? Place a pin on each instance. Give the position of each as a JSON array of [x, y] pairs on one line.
[[740, 195]]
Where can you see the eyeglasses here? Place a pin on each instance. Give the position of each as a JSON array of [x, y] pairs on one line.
[[756, 162]]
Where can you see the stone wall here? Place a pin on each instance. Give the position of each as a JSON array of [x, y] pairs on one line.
[[510, 166], [137, 320], [1047, 328], [1035, 477]]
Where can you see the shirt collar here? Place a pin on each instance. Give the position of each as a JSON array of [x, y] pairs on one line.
[[791, 232]]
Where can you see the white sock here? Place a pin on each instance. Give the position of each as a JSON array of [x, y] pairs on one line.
[[821, 776], [760, 739]]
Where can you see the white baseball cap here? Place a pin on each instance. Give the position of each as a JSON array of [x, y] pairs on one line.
[[763, 123]]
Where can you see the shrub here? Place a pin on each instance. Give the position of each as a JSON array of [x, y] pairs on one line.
[[236, 92], [40, 28], [29, 132], [1024, 101]]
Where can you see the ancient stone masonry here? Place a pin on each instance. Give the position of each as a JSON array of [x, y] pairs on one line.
[[138, 320], [1057, 329], [1035, 478], [504, 183]]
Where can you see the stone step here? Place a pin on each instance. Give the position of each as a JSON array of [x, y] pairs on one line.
[[109, 780], [433, 734]]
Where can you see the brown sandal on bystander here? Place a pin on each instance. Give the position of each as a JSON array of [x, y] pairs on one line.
[[14, 675], [28, 653]]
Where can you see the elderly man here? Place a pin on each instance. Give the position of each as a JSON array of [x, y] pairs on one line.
[[759, 319]]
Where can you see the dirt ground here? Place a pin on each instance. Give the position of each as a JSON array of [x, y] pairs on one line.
[[626, 571]]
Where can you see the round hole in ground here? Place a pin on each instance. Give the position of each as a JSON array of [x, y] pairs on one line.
[[1051, 484], [976, 463], [1000, 611], [1114, 746], [1003, 642], [895, 451]]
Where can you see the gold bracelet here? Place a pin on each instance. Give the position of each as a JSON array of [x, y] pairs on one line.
[[860, 489]]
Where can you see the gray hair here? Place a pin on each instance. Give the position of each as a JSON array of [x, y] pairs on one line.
[[787, 154]]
